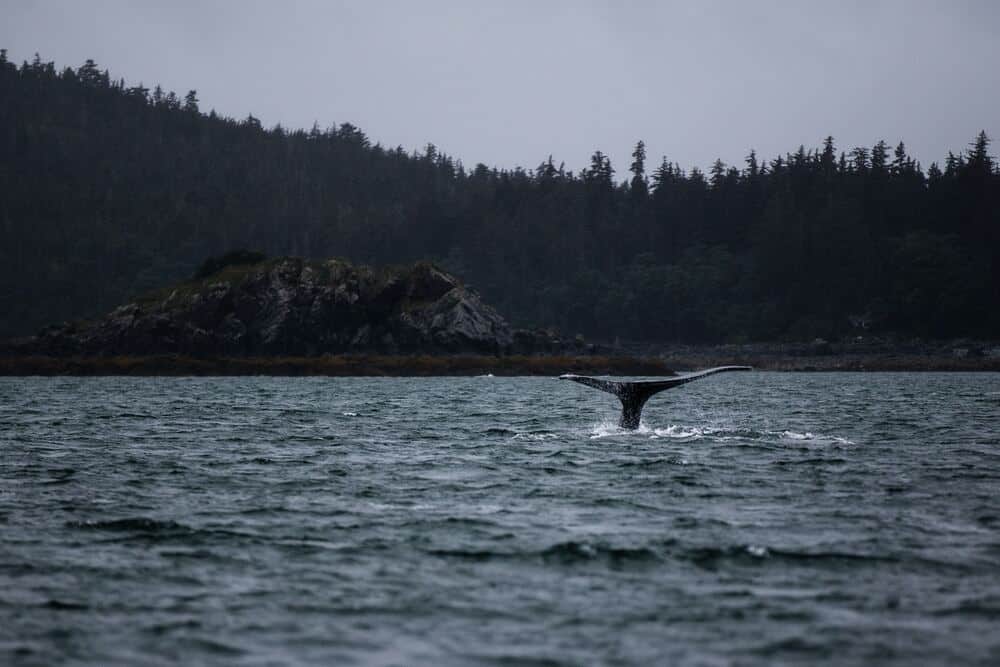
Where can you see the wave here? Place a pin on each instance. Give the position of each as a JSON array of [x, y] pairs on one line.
[[983, 608], [794, 645], [145, 529], [214, 646], [710, 557], [573, 552], [648, 463], [607, 428], [512, 434], [816, 461], [682, 433], [795, 435], [561, 553], [61, 605], [61, 476], [132, 525], [536, 435]]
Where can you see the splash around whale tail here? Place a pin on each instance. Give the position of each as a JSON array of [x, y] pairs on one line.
[[633, 395]]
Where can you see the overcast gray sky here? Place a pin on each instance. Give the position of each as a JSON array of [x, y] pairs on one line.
[[507, 83]]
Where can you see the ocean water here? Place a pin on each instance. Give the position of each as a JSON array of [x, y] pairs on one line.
[[755, 518]]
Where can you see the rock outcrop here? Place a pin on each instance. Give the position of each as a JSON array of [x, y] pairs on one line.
[[291, 306]]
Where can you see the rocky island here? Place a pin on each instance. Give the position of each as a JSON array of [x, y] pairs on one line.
[[244, 313]]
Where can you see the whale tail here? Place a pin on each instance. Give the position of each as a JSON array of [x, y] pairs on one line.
[[633, 395]]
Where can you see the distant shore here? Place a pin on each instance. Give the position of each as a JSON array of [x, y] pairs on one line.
[[820, 355], [334, 366], [663, 363], [846, 363]]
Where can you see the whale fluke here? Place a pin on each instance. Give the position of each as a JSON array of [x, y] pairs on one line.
[[634, 395]]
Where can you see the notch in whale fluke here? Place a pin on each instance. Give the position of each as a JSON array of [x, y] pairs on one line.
[[634, 395]]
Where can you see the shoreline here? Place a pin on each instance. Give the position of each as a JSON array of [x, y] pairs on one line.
[[664, 364], [853, 363], [332, 366]]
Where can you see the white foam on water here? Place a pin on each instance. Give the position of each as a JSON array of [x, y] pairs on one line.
[[607, 428], [795, 435], [488, 509], [683, 432], [535, 436]]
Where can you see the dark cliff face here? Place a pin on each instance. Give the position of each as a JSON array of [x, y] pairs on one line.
[[292, 306]]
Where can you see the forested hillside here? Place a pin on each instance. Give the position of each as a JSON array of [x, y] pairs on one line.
[[108, 190]]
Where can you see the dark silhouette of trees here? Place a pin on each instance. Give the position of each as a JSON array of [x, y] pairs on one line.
[[109, 190], [639, 187]]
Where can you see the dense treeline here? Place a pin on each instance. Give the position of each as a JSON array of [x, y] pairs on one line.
[[108, 190]]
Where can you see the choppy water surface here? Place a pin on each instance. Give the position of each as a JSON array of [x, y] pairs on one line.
[[755, 518]]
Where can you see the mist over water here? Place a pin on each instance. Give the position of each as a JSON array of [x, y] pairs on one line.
[[754, 518]]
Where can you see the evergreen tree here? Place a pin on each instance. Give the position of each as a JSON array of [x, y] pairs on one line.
[[880, 157], [859, 160], [639, 187], [900, 163], [191, 102], [979, 157], [829, 155]]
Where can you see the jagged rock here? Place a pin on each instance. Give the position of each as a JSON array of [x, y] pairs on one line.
[[292, 306]]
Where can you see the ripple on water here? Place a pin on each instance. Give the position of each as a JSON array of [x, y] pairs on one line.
[[758, 519]]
